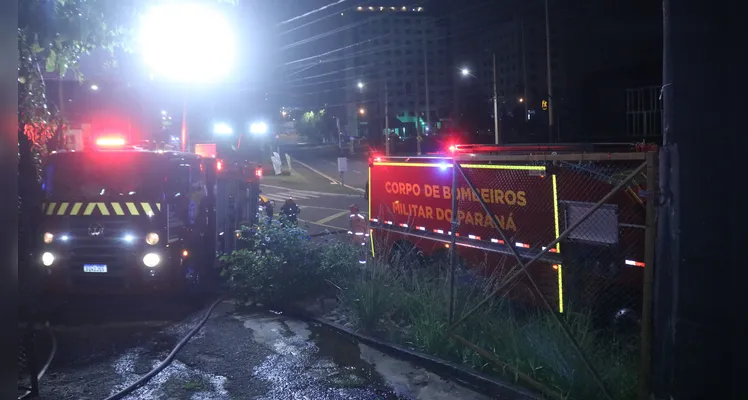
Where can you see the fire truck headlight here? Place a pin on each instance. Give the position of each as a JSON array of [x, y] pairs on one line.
[[128, 238], [48, 237], [152, 238], [258, 128], [151, 260], [48, 259]]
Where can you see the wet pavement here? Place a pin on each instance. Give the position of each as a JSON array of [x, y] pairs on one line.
[[236, 355]]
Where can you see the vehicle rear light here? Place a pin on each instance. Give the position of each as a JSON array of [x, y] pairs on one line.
[[219, 165], [452, 148], [258, 172], [110, 141], [377, 159]]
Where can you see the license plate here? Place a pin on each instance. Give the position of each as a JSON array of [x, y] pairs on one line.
[[95, 268]]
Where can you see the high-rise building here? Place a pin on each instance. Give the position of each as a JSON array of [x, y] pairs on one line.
[[597, 51], [397, 52]]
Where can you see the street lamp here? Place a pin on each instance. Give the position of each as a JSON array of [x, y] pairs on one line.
[[94, 87], [360, 85], [466, 72], [222, 128], [187, 43], [361, 111]]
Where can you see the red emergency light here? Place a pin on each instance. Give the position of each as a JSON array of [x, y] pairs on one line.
[[110, 141], [219, 165], [258, 172], [452, 148]]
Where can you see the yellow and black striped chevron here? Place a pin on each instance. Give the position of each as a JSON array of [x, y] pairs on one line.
[[130, 208]]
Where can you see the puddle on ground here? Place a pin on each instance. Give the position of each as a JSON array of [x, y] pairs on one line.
[[312, 363], [351, 371]]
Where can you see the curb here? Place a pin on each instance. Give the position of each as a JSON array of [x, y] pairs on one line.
[[475, 380]]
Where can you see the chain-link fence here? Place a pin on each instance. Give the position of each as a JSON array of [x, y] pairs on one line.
[[565, 245]]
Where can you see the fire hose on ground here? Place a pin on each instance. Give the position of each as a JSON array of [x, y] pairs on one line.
[[147, 377]]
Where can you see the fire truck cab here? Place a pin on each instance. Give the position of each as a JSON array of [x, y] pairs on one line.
[[126, 218]]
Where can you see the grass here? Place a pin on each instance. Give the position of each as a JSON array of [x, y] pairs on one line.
[[410, 308]]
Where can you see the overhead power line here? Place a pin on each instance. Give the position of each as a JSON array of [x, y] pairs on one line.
[[312, 12]]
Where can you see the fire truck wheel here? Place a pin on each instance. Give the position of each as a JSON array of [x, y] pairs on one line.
[[617, 307], [406, 255], [194, 279]]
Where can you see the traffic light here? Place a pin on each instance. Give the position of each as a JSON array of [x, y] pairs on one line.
[[544, 105]]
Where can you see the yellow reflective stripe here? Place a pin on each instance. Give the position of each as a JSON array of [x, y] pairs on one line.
[[51, 208], [147, 208], [102, 208], [158, 206], [76, 208], [89, 208], [132, 208], [63, 208], [117, 209], [478, 166]]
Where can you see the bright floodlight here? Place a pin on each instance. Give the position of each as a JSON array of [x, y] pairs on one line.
[[465, 71], [187, 42], [258, 128], [94, 87], [222, 129], [360, 85]]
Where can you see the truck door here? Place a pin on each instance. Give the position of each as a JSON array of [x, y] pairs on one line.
[[177, 201]]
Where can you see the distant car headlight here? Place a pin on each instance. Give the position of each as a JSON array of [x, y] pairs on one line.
[[48, 237], [48, 259], [151, 260], [152, 238]]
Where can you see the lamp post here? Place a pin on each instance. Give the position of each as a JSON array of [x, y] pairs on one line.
[[497, 134], [191, 43]]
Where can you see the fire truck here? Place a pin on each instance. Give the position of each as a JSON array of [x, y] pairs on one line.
[[410, 212], [129, 218]]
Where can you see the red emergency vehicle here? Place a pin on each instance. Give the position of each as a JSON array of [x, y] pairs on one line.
[[599, 264], [121, 218]]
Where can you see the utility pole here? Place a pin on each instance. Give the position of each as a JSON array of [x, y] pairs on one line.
[[524, 66], [418, 116], [184, 124], [426, 80], [495, 105], [386, 121], [548, 68]]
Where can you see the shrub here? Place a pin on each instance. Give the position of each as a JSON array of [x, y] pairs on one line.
[[411, 308], [279, 266]]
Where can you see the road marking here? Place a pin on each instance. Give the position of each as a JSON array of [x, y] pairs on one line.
[[332, 217], [322, 174], [328, 177], [285, 189], [326, 208], [323, 225]]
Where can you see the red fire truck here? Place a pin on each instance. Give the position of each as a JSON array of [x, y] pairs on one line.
[[127, 218], [599, 263]]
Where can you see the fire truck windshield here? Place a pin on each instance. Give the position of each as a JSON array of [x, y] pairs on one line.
[[102, 176]]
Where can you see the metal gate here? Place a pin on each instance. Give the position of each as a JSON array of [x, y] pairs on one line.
[[603, 241]]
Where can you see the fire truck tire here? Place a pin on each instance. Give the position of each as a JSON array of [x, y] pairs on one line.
[[618, 307], [403, 253]]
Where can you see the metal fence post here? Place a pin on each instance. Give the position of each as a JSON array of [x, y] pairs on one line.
[[645, 358], [453, 242]]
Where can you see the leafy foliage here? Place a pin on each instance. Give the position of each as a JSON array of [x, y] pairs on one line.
[[317, 126], [282, 266], [52, 37]]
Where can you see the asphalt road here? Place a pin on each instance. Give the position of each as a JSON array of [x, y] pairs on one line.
[[236, 355], [325, 205]]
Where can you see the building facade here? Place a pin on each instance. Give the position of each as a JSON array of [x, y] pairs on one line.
[[401, 54]]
